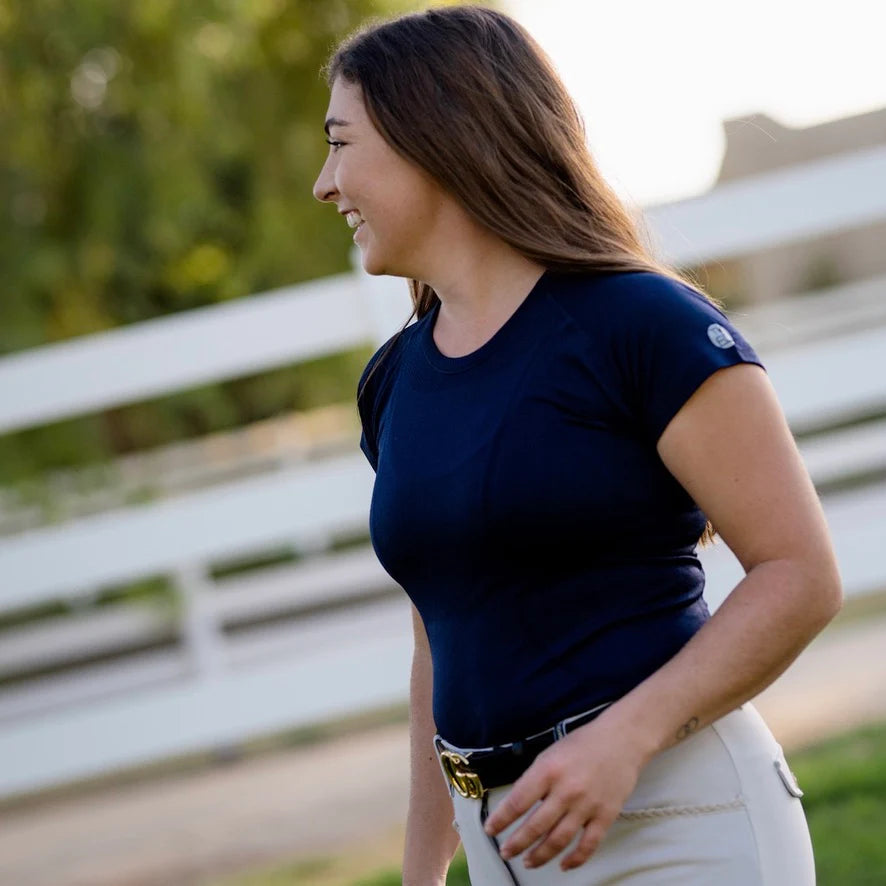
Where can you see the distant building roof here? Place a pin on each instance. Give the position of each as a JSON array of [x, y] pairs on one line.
[[757, 143]]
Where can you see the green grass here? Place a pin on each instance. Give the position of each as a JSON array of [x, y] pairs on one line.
[[845, 784], [844, 780]]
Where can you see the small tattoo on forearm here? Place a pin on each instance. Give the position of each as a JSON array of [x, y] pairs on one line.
[[687, 728]]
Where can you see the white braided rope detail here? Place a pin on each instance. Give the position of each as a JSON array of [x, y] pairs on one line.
[[672, 811]]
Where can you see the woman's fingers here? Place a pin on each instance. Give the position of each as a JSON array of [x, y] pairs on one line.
[[526, 791], [535, 828], [556, 841], [587, 846]]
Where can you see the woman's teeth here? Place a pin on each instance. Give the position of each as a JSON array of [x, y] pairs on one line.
[[354, 219]]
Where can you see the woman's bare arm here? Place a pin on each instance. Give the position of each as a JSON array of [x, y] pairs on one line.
[[431, 840], [731, 449], [745, 473]]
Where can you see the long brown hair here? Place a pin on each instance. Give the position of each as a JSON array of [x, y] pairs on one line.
[[466, 94]]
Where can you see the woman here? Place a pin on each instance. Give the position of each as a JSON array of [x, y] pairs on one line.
[[548, 437]]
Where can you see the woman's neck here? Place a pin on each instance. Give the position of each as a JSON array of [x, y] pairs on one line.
[[476, 301]]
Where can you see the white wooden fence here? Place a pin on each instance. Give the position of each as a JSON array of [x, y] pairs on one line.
[[297, 644]]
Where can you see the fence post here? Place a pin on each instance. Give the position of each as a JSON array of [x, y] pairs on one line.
[[201, 631]]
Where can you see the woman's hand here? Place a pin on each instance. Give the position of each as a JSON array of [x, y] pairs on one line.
[[582, 781]]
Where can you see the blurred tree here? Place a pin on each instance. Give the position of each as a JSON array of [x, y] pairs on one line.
[[156, 157]]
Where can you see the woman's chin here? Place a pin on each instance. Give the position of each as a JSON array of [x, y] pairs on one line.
[[370, 266], [377, 264], [371, 263]]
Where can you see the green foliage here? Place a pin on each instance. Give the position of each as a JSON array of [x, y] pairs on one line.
[[157, 157]]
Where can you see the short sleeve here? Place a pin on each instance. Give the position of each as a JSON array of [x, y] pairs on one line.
[[366, 409], [369, 450], [372, 392], [673, 339]]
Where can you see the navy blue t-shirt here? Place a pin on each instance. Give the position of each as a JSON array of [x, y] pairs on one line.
[[520, 502]]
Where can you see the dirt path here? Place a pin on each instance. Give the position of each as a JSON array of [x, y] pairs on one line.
[[319, 800]]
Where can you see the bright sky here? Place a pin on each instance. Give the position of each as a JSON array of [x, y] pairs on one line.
[[655, 78]]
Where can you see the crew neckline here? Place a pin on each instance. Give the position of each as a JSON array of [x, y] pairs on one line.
[[443, 363]]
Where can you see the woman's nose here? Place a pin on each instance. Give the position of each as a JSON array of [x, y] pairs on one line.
[[324, 187]]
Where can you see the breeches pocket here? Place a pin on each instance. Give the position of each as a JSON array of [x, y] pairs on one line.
[[695, 777]]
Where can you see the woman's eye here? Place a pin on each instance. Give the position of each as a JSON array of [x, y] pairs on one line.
[[335, 144]]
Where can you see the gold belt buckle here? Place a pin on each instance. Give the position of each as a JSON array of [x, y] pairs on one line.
[[467, 783]]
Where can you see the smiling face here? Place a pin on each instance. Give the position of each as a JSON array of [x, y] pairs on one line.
[[399, 210]]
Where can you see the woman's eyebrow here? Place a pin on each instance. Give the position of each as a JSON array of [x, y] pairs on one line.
[[334, 121]]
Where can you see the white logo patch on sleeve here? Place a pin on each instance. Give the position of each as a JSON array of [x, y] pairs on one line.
[[719, 335]]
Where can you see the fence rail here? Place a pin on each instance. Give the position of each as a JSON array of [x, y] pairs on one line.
[[773, 208]]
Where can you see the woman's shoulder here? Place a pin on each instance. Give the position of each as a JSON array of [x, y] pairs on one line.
[[382, 365], [637, 298]]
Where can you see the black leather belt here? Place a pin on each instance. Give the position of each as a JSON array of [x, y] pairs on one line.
[[474, 771]]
